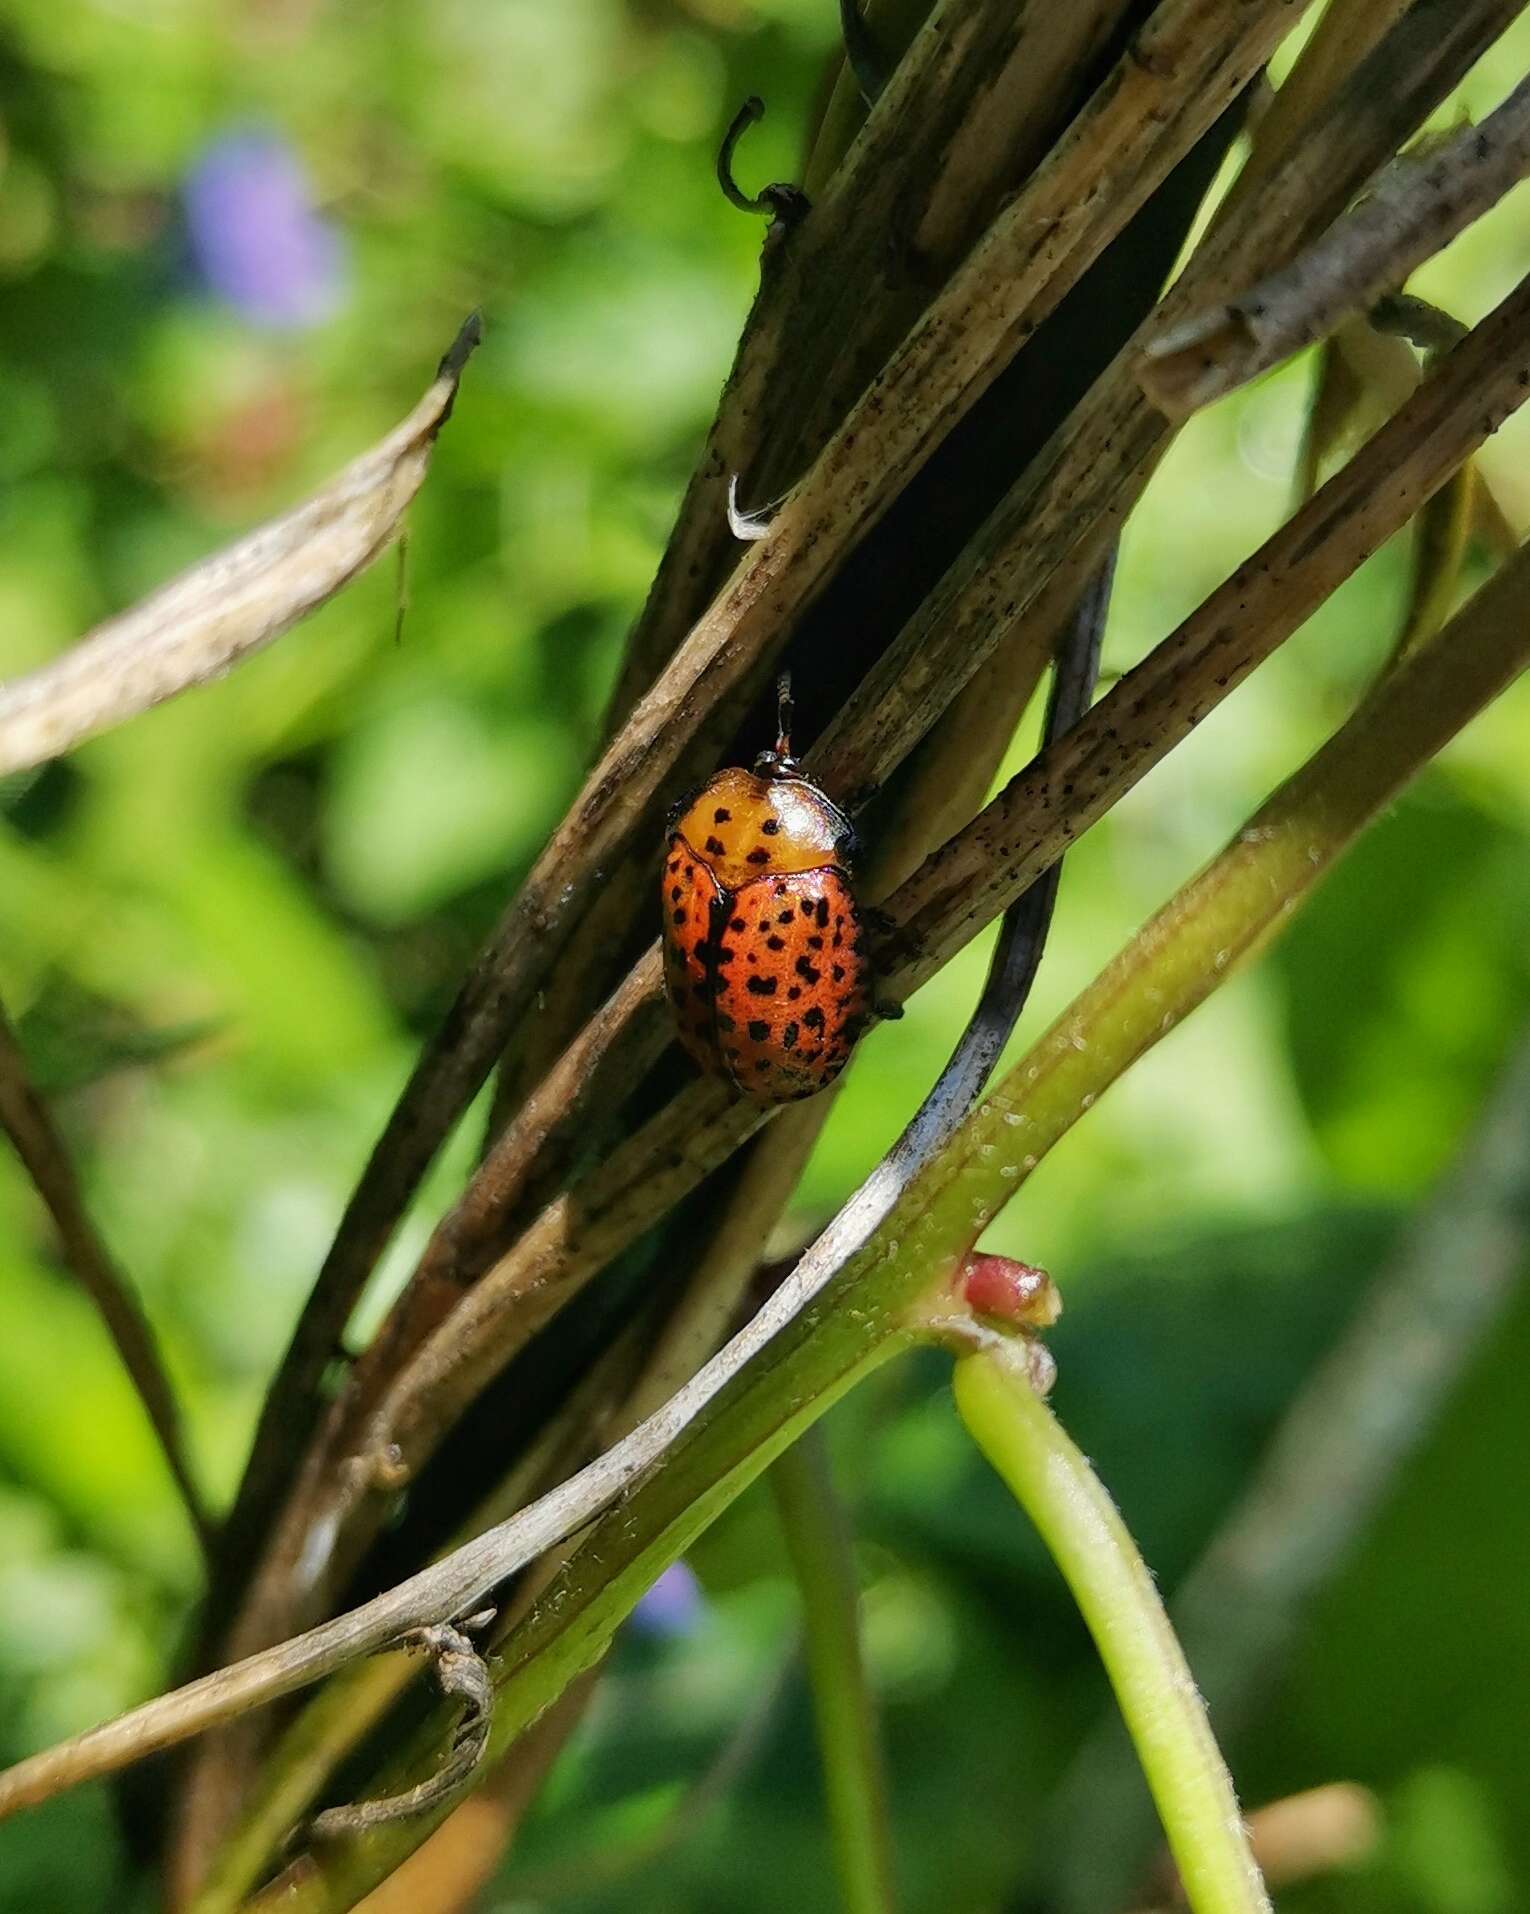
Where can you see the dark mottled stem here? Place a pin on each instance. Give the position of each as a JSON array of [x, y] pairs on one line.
[[37, 1142], [1023, 931]]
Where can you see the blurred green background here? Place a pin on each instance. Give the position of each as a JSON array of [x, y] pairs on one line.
[[234, 237]]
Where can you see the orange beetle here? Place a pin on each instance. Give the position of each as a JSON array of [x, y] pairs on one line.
[[765, 949]]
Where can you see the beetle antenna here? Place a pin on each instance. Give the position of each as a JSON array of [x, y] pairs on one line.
[[784, 715]]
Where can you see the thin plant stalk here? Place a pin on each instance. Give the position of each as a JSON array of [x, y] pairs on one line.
[[1090, 1544], [823, 1559], [38, 1143]]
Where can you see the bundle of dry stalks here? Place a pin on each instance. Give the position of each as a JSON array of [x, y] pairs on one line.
[[964, 364]]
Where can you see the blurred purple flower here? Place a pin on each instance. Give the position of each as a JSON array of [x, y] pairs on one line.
[[673, 1606], [255, 238]]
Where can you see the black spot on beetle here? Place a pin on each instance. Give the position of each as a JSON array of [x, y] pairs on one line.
[[789, 1036], [739, 924], [761, 986], [715, 847], [787, 917], [837, 972], [771, 826], [795, 992], [674, 893], [678, 916], [721, 816], [813, 1018], [775, 943], [823, 911], [759, 855], [805, 970], [808, 907], [758, 1031], [815, 943]]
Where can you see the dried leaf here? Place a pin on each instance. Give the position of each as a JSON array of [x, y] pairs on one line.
[[233, 603]]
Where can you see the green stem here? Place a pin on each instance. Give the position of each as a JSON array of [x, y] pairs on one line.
[[1163, 1712], [823, 1560]]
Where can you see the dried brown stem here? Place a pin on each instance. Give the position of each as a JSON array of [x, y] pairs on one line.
[[1033, 556], [37, 1142], [234, 603], [1413, 71], [1233, 905], [1473, 390], [623, 1038], [965, 117], [1405, 79], [1398, 83], [334, 1495], [1413, 713], [628, 1032], [1006, 580], [980, 871], [1417, 206], [330, 1728], [1189, 59], [1346, 32]]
